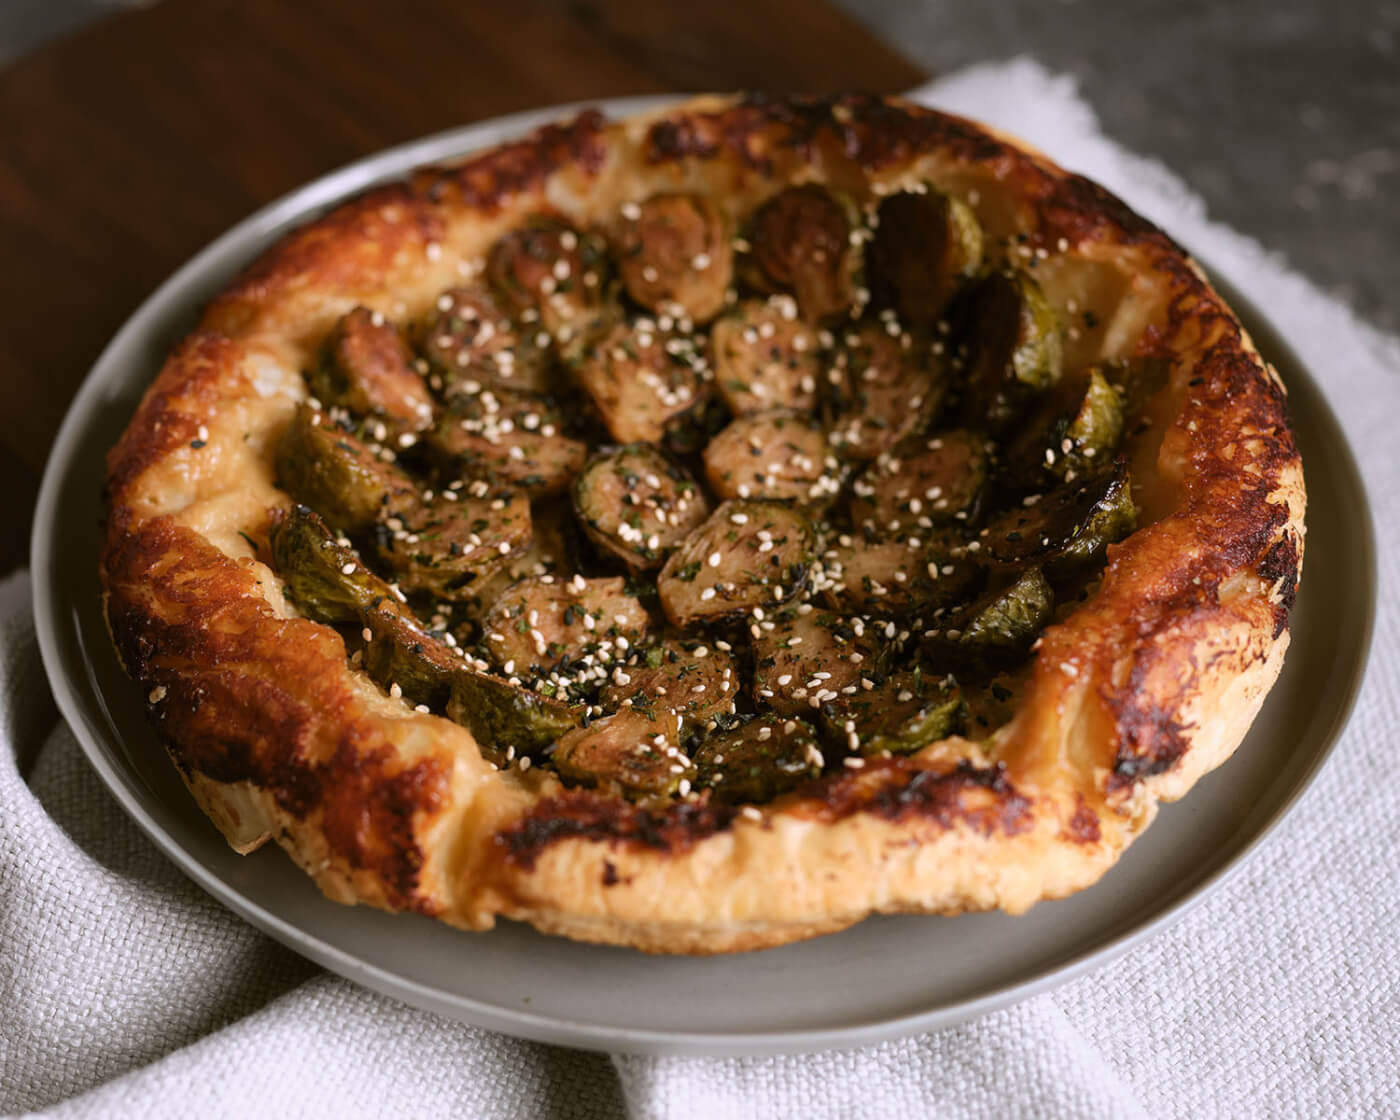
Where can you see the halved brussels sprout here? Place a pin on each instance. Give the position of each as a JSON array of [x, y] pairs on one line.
[[642, 380], [1065, 529], [800, 242], [516, 439], [1075, 430], [470, 342], [554, 551], [884, 385], [765, 357], [551, 276], [539, 624], [923, 482], [925, 244], [366, 367], [675, 255], [780, 455], [997, 628], [694, 680], [804, 657], [638, 505], [327, 582], [337, 475], [633, 749], [324, 576], [899, 576], [1013, 349], [446, 544], [758, 760], [505, 719], [901, 715], [745, 555]]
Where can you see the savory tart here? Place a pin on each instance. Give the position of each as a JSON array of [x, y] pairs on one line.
[[702, 531]]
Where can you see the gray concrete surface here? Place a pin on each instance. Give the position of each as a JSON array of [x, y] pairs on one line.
[[1283, 114]]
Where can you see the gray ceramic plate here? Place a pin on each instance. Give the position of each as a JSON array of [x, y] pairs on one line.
[[887, 976]]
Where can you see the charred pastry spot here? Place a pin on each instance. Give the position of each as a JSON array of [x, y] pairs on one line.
[[490, 179], [1151, 739], [983, 799], [581, 815], [1279, 566], [1083, 826]]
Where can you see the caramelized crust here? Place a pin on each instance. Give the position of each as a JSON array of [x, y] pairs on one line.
[[1129, 699]]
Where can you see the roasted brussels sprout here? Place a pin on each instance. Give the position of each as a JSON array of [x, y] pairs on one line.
[[1076, 429], [515, 439], [1013, 349], [675, 255], [779, 455], [326, 581], [694, 680], [901, 715], [633, 749], [339, 476], [1065, 529], [323, 574], [470, 342], [745, 555], [551, 275], [554, 551], [543, 624], [997, 628], [765, 357], [446, 544], [366, 367], [800, 242], [925, 244], [923, 482], [884, 385], [804, 657], [758, 760], [894, 577], [638, 505], [642, 380], [505, 719]]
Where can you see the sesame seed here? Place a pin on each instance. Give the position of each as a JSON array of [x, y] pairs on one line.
[[157, 694]]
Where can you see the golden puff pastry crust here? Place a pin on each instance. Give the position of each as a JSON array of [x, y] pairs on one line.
[[1128, 699]]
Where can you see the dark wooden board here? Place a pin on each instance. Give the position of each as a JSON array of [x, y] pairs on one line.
[[133, 143]]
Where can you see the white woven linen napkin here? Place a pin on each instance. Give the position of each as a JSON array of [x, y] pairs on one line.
[[126, 991]]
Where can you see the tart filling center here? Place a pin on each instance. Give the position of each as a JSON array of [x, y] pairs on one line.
[[688, 507]]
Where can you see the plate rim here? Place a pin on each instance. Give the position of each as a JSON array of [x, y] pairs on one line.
[[302, 203]]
